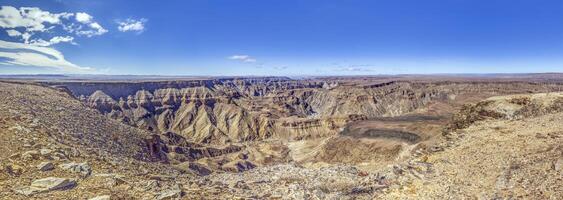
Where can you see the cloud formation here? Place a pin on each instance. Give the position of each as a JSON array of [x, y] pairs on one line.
[[133, 25], [243, 58], [84, 18], [30, 55], [87, 27], [13, 33], [33, 19], [54, 40], [33, 30]]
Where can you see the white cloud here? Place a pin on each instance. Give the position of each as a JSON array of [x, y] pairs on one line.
[[84, 18], [96, 30], [96, 26], [33, 49], [132, 25], [59, 39], [54, 40], [13, 33], [243, 58], [33, 19], [30, 55], [26, 36]]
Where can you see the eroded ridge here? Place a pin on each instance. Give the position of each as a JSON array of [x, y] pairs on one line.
[[270, 138]]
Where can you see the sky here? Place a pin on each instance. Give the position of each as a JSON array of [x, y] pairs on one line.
[[285, 38]]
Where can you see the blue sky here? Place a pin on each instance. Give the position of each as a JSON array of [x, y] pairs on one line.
[[267, 37]]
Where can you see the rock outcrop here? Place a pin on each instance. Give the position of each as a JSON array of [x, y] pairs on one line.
[[209, 119], [46, 185], [224, 111], [238, 110], [501, 148]]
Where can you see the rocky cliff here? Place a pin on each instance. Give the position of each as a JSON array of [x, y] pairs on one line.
[[235, 110], [329, 139]]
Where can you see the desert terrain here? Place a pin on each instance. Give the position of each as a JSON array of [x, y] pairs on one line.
[[351, 137]]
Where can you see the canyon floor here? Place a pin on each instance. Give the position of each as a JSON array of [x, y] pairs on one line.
[[410, 137]]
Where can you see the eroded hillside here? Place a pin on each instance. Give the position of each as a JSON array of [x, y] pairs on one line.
[[305, 117], [217, 111], [277, 138], [507, 147], [53, 147]]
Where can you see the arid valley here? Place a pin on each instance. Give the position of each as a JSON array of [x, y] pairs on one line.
[[382, 137], [281, 100]]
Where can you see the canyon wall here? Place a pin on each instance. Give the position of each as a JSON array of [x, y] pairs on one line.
[[247, 109]]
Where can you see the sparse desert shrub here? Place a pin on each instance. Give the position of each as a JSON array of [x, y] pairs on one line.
[[529, 110], [470, 114], [337, 186], [557, 105], [521, 101], [290, 179], [533, 109]]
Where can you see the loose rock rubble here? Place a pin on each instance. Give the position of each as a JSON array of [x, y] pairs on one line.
[[46, 185], [82, 168], [46, 166], [494, 158]]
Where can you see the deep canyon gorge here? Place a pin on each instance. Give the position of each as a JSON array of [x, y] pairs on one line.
[[365, 135]]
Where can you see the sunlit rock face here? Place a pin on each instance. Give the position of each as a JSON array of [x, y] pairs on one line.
[[243, 110], [249, 109]]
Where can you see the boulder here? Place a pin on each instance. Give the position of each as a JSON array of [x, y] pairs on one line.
[[46, 166], [103, 197], [45, 152], [111, 180], [558, 165], [53, 183], [14, 156], [82, 168], [46, 185], [26, 191], [175, 193], [30, 155], [152, 185]]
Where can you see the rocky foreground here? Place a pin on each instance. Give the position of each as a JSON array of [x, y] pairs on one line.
[[511, 148], [55, 147]]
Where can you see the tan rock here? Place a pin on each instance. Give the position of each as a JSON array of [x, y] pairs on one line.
[[13, 169], [175, 193], [30, 155], [46, 185], [103, 197], [558, 165], [82, 168], [53, 183], [46, 166]]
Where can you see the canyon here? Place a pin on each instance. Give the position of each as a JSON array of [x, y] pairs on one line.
[[241, 137]]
